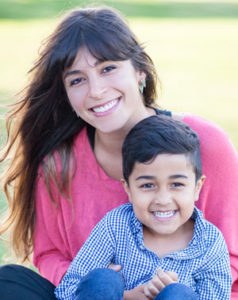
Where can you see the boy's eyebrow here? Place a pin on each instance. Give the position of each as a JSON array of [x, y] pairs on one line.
[[145, 177], [73, 72], [178, 176], [154, 177]]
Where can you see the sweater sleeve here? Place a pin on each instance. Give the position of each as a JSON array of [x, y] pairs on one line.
[[219, 197], [50, 255]]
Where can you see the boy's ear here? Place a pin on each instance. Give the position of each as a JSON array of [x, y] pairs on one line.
[[199, 185], [126, 188]]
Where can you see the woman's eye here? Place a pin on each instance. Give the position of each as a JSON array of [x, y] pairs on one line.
[[76, 81], [108, 69], [147, 186]]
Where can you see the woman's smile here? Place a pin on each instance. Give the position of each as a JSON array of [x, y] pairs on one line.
[[106, 108]]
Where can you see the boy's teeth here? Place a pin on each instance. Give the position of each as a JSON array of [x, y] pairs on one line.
[[104, 107], [164, 214]]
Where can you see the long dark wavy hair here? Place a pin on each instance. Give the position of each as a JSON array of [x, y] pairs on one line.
[[43, 123]]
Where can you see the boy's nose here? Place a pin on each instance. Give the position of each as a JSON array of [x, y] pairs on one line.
[[163, 197]]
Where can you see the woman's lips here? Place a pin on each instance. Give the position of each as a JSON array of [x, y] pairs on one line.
[[104, 109]]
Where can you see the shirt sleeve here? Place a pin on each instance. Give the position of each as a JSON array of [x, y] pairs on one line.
[[219, 196], [98, 251], [214, 281]]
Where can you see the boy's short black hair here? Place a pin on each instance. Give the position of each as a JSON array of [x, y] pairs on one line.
[[159, 135]]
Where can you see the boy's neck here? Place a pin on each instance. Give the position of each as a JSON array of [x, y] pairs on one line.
[[163, 245]]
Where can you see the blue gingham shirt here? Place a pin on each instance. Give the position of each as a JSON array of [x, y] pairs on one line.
[[118, 238]]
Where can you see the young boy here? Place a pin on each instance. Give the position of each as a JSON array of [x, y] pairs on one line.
[[160, 230]]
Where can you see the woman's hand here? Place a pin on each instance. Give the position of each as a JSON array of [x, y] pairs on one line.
[[158, 282]]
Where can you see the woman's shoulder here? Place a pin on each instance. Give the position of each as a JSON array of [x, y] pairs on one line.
[[211, 135], [198, 123], [218, 154]]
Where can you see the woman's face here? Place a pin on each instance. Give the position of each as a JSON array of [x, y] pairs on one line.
[[105, 94]]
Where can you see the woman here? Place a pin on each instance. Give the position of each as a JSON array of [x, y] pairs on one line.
[[92, 83]]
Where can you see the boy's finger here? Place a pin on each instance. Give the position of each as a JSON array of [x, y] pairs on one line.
[[116, 268], [165, 278], [173, 275], [157, 283], [151, 290]]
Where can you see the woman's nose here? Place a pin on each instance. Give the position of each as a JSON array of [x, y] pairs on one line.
[[97, 88]]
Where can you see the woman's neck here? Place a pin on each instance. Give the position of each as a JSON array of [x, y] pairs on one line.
[[114, 140], [107, 150], [108, 146]]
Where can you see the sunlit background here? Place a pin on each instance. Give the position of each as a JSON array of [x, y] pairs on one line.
[[194, 45]]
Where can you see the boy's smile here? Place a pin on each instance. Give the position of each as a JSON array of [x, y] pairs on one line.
[[163, 192]]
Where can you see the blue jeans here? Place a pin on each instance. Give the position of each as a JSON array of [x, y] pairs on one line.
[[175, 291], [106, 284], [101, 284]]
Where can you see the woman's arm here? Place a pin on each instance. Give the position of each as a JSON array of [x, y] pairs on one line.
[[51, 253]]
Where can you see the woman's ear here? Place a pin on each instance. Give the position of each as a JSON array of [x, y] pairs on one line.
[[198, 187], [126, 188], [142, 76]]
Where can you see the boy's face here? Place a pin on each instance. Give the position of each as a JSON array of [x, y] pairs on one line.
[[163, 193]]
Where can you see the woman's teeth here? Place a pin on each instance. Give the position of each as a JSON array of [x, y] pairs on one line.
[[105, 107], [164, 214]]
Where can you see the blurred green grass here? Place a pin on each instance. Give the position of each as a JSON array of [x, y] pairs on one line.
[[29, 9], [194, 45]]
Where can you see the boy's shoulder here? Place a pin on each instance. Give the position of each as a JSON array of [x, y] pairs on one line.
[[121, 213], [208, 234]]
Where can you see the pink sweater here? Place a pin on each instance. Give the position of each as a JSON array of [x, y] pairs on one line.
[[61, 232]]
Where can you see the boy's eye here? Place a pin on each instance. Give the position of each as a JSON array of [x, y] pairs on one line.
[[177, 184], [76, 81], [108, 69], [147, 186]]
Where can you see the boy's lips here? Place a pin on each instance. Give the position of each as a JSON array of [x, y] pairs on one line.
[[164, 214], [106, 106]]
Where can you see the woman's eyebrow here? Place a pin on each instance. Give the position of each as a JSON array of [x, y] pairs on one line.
[[74, 72]]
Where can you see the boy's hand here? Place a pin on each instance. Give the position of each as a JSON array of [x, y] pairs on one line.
[[115, 268], [158, 282], [136, 294]]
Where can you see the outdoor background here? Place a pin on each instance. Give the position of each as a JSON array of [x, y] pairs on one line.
[[194, 45]]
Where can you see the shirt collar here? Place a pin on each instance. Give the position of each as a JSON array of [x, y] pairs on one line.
[[197, 245]]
